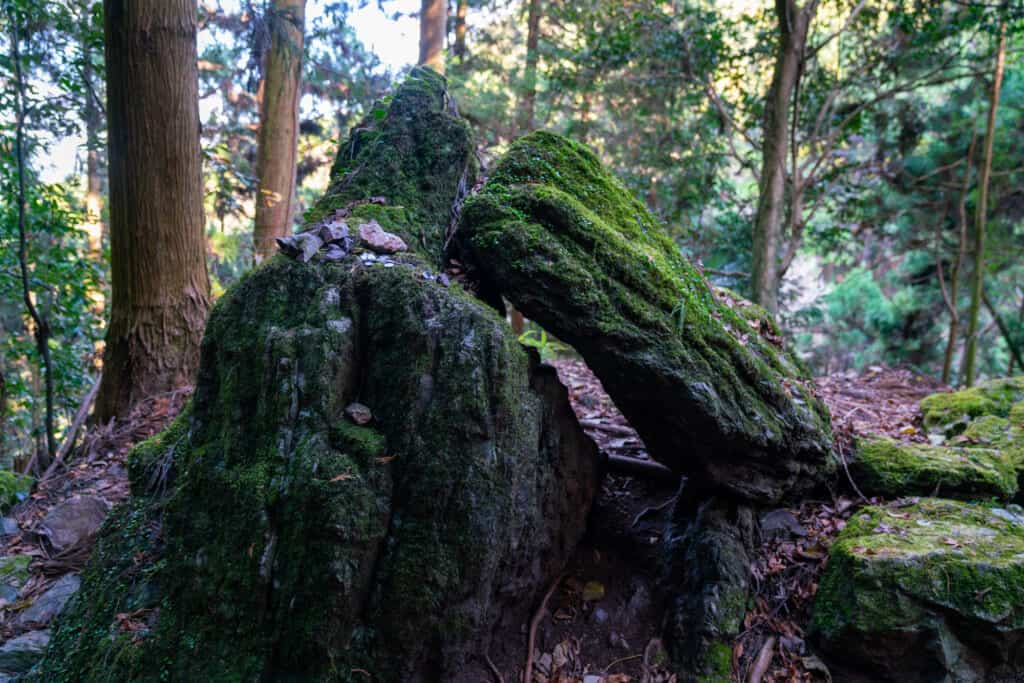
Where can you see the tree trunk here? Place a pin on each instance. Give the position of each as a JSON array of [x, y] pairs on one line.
[[93, 199], [526, 121], [766, 273], [978, 280], [954, 278], [279, 126], [461, 8], [433, 26], [160, 292]]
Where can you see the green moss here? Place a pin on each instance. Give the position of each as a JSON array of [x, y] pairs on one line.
[[949, 413], [892, 468], [909, 568], [14, 487], [122, 576], [417, 154], [14, 570], [150, 462], [571, 247], [719, 664]]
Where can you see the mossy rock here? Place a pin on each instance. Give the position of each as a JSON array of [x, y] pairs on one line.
[[949, 413], [297, 545], [268, 537], [706, 552], [14, 488], [700, 373], [928, 592], [414, 152], [890, 468]]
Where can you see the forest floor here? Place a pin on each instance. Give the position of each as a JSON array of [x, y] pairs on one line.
[[602, 619]]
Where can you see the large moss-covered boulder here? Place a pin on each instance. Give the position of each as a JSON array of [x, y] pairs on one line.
[[927, 592], [371, 471], [969, 471], [701, 374]]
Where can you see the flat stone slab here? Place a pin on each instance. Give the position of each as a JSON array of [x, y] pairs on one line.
[[926, 590], [73, 520], [700, 373], [51, 603], [891, 468], [20, 654]]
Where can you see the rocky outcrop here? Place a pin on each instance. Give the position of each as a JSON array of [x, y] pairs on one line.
[[975, 449], [701, 374], [407, 166], [707, 549], [931, 591], [278, 532]]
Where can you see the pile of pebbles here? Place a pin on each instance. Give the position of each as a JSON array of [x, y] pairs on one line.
[[332, 240]]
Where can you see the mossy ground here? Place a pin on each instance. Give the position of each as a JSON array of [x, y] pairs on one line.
[[693, 370]]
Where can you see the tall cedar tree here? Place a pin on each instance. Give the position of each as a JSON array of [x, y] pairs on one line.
[[279, 125], [160, 291], [433, 26], [794, 23]]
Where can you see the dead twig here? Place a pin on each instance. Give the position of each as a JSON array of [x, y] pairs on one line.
[[494, 670], [620, 660], [652, 509], [764, 658], [76, 424], [849, 477], [534, 623]]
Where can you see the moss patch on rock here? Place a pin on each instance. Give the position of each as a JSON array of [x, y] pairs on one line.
[[415, 152], [701, 374], [949, 413], [931, 589], [891, 468]]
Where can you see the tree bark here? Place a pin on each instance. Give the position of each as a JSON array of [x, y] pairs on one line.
[[160, 290], [794, 23], [954, 278], [981, 210], [276, 147], [526, 121], [433, 26], [92, 119], [461, 7]]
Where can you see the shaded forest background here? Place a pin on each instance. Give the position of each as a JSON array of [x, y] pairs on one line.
[[855, 167]]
